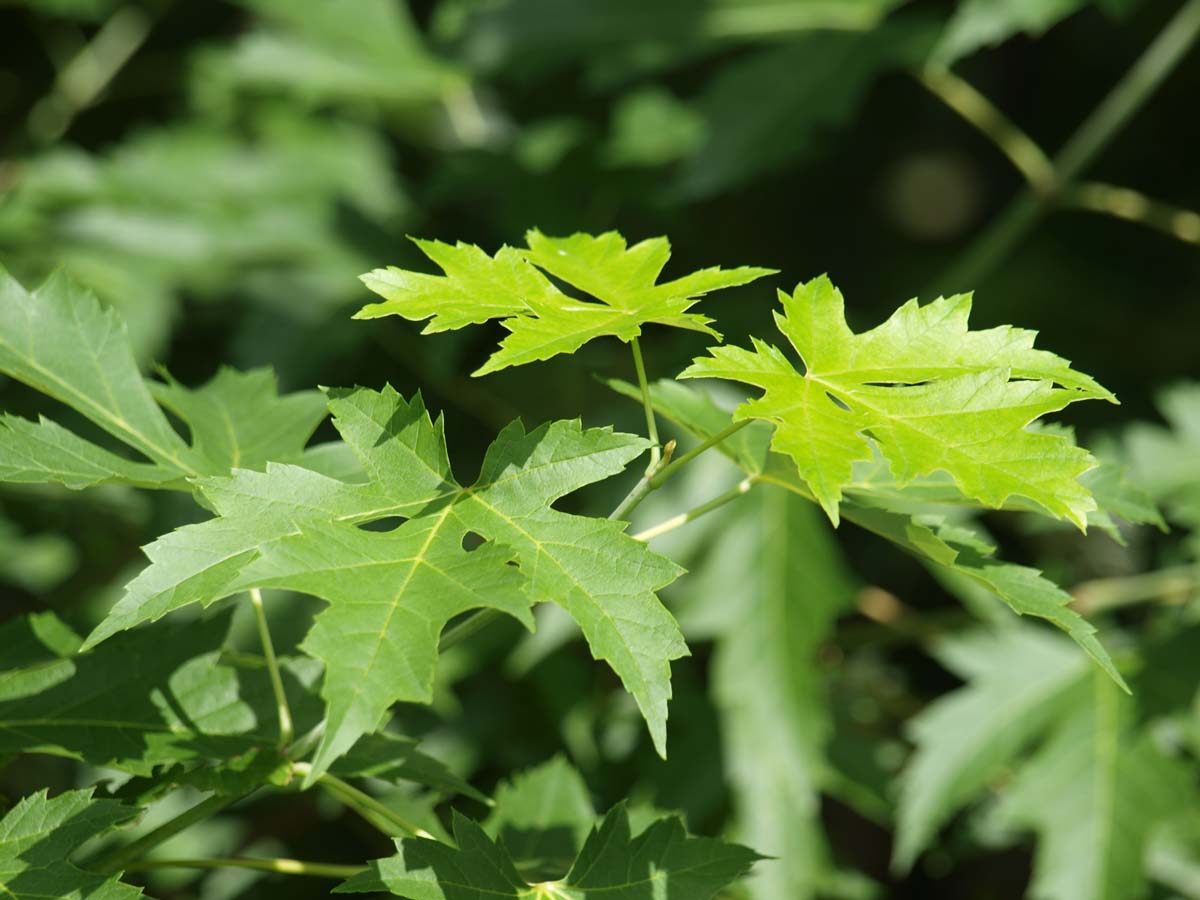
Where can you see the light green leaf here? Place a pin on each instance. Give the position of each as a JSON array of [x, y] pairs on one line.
[[772, 696], [928, 393], [662, 861], [37, 837], [965, 737], [543, 320], [153, 697], [954, 549], [1093, 794]]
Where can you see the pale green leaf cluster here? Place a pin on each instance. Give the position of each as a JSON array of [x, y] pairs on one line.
[[921, 388], [38, 835], [620, 284]]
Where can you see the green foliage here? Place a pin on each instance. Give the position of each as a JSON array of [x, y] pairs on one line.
[[543, 321], [660, 861], [39, 833], [932, 395]]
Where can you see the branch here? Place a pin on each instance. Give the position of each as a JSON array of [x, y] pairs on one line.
[[283, 711], [1133, 206], [283, 866]]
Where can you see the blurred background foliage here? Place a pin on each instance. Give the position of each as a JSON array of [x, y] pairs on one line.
[[222, 171]]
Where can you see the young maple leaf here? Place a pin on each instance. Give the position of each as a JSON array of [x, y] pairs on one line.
[[543, 320], [929, 393]]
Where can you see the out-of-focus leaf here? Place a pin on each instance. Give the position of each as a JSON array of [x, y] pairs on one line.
[[651, 128], [770, 109], [986, 23], [1166, 461], [772, 697], [964, 738], [1094, 793]]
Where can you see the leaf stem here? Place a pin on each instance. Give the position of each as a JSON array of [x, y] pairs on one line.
[[284, 712], [644, 486], [378, 814], [651, 423], [696, 512], [283, 866], [121, 857], [667, 471], [1172, 585], [1090, 138], [475, 622]]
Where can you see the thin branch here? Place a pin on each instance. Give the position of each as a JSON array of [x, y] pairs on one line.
[[81, 81], [668, 470], [1157, 61], [696, 512], [644, 486], [283, 711], [1174, 585], [121, 857], [1133, 206], [364, 804], [282, 866], [1020, 149], [651, 423]]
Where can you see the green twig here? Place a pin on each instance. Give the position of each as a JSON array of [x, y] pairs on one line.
[[364, 804], [81, 81], [1156, 62], [666, 471], [1133, 206], [1020, 149], [283, 711], [644, 486], [282, 866], [651, 423], [696, 512], [121, 857]]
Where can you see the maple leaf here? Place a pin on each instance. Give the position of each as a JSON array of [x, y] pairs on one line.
[[391, 593], [61, 342], [543, 320], [661, 861], [38, 835], [925, 391], [938, 543]]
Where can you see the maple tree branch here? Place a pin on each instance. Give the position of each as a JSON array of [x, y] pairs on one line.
[[1157, 61], [280, 865], [668, 470], [121, 857], [645, 484], [696, 512], [1021, 150], [1134, 206], [284, 712]]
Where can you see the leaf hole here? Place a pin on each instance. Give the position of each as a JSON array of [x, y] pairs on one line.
[[472, 541], [838, 402]]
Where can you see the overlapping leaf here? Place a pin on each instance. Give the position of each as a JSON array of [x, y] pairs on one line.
[[392, 592], [37, 837], [60, 341], [926, 535], [662, 861], [925, 391], [544, 321], [155, 697]]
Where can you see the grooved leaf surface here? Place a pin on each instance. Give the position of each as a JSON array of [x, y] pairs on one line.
[[392, 592], [39, 833], [923, 389], [621, 283]]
